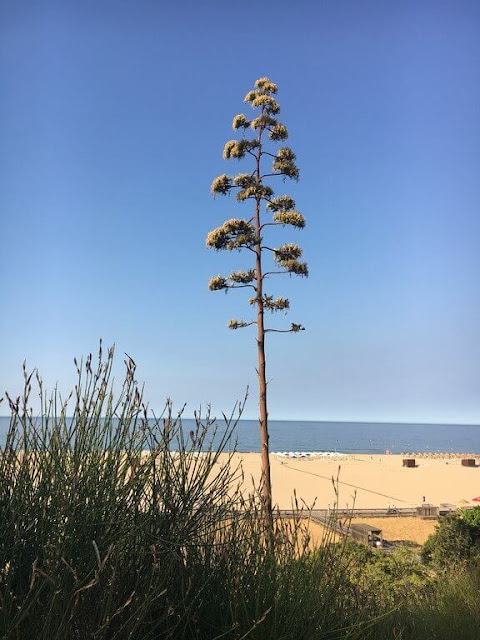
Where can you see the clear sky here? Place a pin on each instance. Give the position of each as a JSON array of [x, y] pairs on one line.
[[113, 117]]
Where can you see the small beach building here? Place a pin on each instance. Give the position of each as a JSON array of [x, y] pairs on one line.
[[427, 511], [371, 536]]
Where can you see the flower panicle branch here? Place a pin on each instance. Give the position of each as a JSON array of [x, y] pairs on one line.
[[238, 148], [221, 185], [281, 203], [292, 218], [255, 191], [242, 277], [294, 328], [284, 163], [271, 304], [287, 256], [232, 234], [239, 324]]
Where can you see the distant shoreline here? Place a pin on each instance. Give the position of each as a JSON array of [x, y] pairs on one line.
[[344, 437]]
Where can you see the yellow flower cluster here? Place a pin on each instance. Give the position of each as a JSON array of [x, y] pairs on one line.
[[285, 163], [278, 132], [217, 283], [279, 304], [233, 234], [293, 266], [281, 203], [265, 84], [232, 149], [244, 180], [221, 185], [251, 95], [240, 121], [289, 251], [293, 218], [237, 324], [238, 148], [263, 121], [287, 256], [242, 277], [270, 104], [254, 191]]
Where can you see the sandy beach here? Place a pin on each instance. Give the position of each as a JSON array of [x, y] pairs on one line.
[[365, 481]]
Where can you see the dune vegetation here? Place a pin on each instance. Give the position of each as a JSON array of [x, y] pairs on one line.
[[114, 527]]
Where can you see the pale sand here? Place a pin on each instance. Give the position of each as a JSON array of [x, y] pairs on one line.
[[400, 529], [365, 481]]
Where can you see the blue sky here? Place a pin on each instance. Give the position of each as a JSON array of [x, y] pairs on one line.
[[113, 117]]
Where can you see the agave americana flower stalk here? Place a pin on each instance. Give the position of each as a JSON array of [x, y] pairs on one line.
[[247, 234]]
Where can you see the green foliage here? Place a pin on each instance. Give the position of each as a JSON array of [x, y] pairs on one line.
[[387, 578], [472, 518], [456, 539], [448, 611], [105, 516]]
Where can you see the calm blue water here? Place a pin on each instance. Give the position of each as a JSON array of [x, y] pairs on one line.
[[348, 437]]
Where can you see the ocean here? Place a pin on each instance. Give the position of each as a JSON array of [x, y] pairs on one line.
[[346, 437]]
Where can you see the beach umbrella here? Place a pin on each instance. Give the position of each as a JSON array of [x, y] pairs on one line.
[[476, 499], [463, 502]]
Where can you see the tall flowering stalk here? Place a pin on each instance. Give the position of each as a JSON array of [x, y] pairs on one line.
[[247, 234]]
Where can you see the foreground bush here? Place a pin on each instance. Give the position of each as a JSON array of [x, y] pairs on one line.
[[456, 540], [117, 526], [114, 526], [387, 578], [450, 611]]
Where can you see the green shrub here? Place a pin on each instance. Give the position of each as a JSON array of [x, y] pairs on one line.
[[450, 611], [387, 578], [456, 539], [98, 516]]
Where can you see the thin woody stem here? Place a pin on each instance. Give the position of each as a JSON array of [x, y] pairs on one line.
[[282, 330], [239, 286], [272, 224], [266, 488]]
